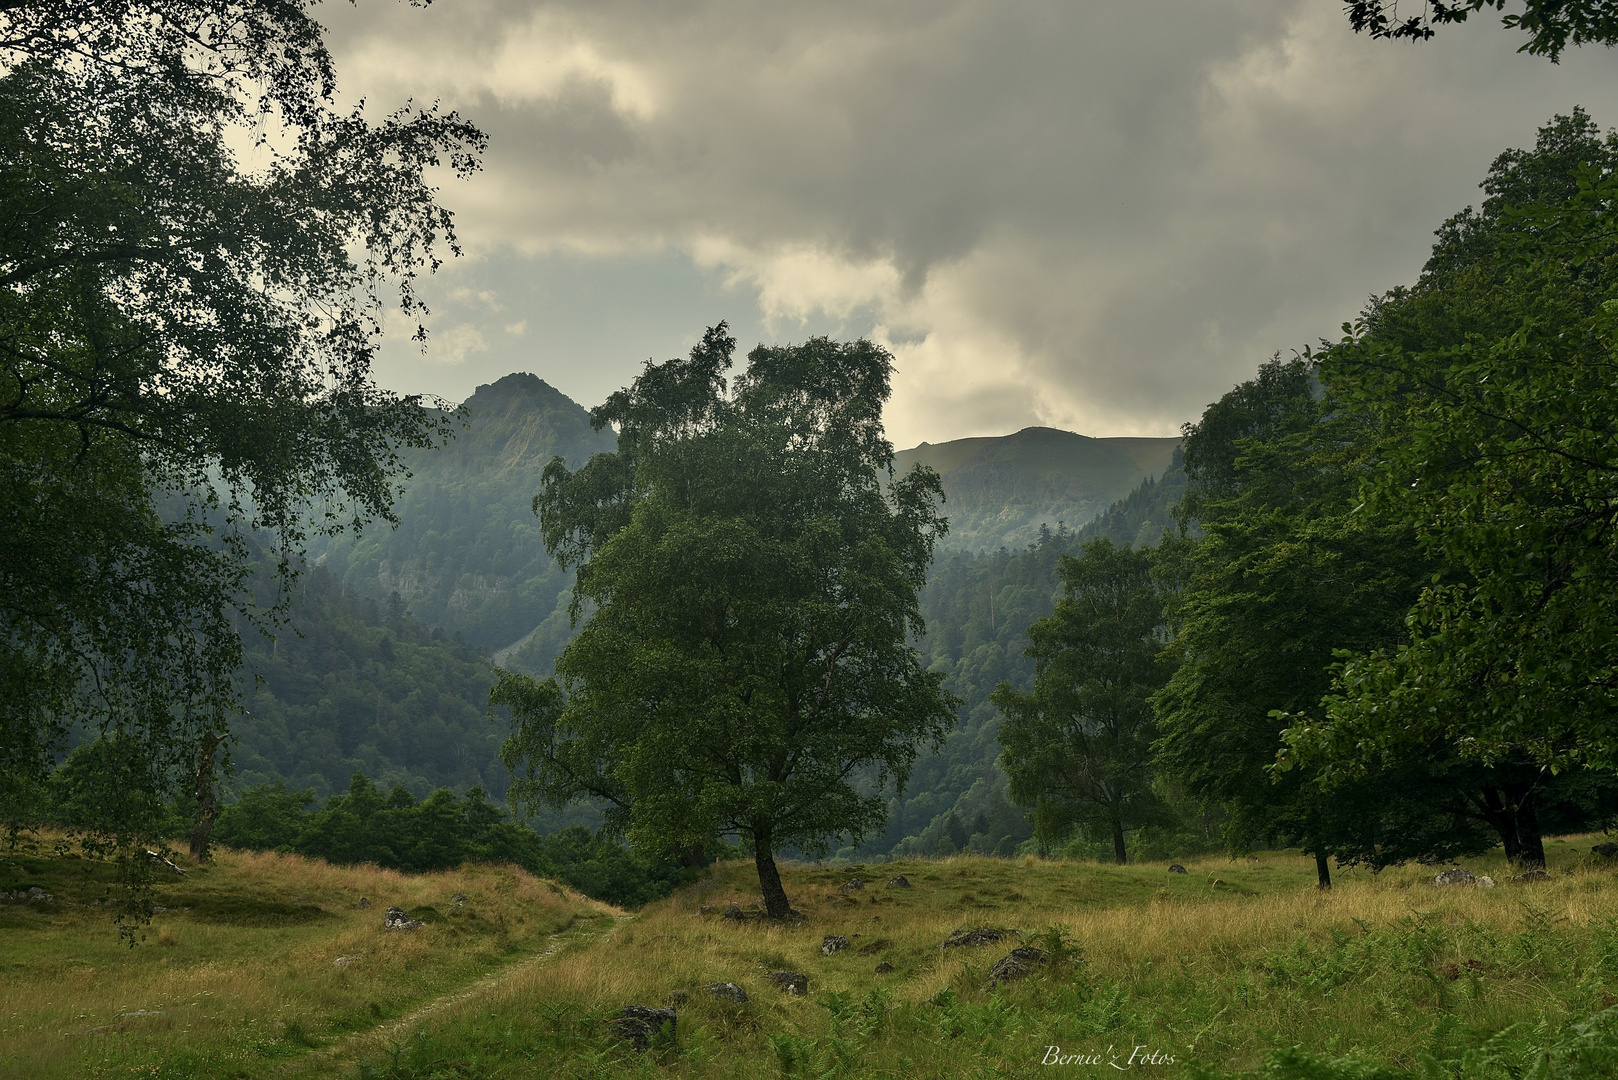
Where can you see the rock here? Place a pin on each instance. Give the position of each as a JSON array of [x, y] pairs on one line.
[[790, 982], [1458, 876], [705, 909], [883, 968], [1530, 876], [158, 909], [900, 882], [1016, 964], [852, 885], [639, 1024], [973, 939], [364, 903], [833, 943], [1608, 850], [1176, 868], [396, 919], [728, 991], [459, 898], [346, 961], [1485, 882], [733, 911], [35, 895]]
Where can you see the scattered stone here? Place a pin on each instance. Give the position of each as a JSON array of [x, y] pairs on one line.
[[852, 885], [790, 982], [346, 961], [158, 909], [900, 882], [364, 903], [459, 898], [733, 911], [641, 1023], [706, 909], [1458, 876], [974, 938], [833, 943], [728, 991], [1530, 876], [1485, 881], [1608, 850], [1176, 868], [883, 968], [396, 919], [1016, 964], [32, 895]]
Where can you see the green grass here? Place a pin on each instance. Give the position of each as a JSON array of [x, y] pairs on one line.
[[1236, 968]]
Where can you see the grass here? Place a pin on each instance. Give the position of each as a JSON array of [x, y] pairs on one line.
[[1233, 967], [236, 977]]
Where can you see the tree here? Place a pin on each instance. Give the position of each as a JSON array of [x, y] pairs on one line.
[[1078, 747], [186, 335], [748, 568], [1502, 359], [1551, 25]]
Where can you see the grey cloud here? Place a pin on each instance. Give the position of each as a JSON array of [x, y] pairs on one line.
[[1097, 215]]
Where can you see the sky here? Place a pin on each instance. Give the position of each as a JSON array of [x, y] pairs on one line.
[[1095, 216]]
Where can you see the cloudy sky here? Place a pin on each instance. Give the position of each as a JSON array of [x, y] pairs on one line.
[[1090, 215]]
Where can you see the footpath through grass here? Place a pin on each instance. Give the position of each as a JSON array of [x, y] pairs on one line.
[[255, 962], [1231, 968]]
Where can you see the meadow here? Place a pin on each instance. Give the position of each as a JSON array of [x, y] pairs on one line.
[[1237, 967]]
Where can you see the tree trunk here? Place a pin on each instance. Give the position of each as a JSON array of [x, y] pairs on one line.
[[1530, 845], [1322, 872], [207, 799], [691, 856], [1501, 819], [769, 878], [1118, 852]]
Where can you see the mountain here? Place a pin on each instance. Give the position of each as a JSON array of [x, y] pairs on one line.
[[1000, 490], [466, 555]]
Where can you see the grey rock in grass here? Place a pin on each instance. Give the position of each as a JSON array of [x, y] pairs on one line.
[[706, 909], [459, 898], [364, 903], [346, 961], [852, 885], [790, 982], [1176, 868], [639, 1024], [1485, 881], [883, 968], [972, 939], [733, 911], [34, 895], [833, 943], [900, 882], [1458, 876], [728, 991], [1608, 850], [396, 919], [1017, 963]]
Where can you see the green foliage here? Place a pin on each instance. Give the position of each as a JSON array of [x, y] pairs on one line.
[[1078, 747], [749, 566], [188, 347], [1551, 25]]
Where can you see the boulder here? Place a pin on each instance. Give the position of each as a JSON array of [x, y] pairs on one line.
[[1485, 881], [32, 895], [1016, 964], [900, 882], [1608, 850], [733, 911], [396, 919], [639, 1024], [1458, 876], [1176, 868], [883, 968], [790, 982], [972, 939], [833, 943], [459, 898], [728, 991], [851, 885], [346, 961]]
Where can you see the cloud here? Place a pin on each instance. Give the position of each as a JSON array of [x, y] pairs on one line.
[[1094, 216]]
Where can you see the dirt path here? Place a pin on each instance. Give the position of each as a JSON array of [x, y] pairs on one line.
[[343, 1052]]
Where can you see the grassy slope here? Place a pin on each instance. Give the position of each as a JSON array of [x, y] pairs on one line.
[[243, 983], [1225, 965]]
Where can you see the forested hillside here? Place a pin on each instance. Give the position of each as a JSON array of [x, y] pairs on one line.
[[466, 555]]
